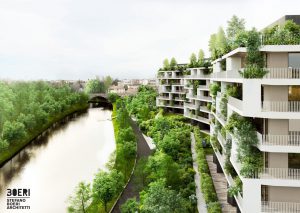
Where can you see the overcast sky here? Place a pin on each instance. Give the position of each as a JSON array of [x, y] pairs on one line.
[[79, 39]]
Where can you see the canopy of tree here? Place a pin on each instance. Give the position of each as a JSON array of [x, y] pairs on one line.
[[27, 108]]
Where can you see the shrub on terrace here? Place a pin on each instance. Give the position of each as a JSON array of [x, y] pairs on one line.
[[247, 153]]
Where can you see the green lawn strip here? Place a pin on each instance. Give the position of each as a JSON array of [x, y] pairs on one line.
[[15, 147]]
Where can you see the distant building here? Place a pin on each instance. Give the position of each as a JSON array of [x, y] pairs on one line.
[[117, 89]]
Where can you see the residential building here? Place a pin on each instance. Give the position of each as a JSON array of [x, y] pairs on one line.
[[270, 104]]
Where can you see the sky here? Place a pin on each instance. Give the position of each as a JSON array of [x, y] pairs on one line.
[[81, 39]]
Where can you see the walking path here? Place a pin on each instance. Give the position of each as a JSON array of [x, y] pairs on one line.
[[200, 199], [220, 184], [143, 150]]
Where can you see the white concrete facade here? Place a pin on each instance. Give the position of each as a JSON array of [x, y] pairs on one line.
[[270, 101]]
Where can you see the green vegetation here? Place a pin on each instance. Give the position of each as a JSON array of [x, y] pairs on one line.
[[143, 105], [28, 109], [198, 62], [247, 153], [287, 34], [207, 186], [108, 185], [98, 85], [254, 60], [214, 88], [165, 180], [236, 188], [81, 199]]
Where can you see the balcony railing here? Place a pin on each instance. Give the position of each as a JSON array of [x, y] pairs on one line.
[[199, 118], [221, 139], [178, 90], [278, 173], [281, 106], [190, 105], [226, 74], [284, 73], [287, 207], [204, 108], [206, 98], [164, 97], [190, 95], [179, 98], [238, 104], [205, 87], [291, 139]]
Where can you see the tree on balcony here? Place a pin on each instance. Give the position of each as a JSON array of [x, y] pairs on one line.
[[287, 34], [248, 155], [173, 64]]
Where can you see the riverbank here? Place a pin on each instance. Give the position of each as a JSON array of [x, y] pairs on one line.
[[126, 153], [17, 146]]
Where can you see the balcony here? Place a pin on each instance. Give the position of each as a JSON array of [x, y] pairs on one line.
[[291, 139], [204, 98], [164, 97], [191, 96], [235, 103], [269, 206], [177, 91], [179, 99], [190, 105], [226, 74], [221, 139], [283, 73], [197, 76], [281, 106], [279, 173], [204, 109], [198, 118], [203, 87]]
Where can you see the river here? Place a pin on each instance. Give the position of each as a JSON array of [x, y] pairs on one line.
[[53, 166]]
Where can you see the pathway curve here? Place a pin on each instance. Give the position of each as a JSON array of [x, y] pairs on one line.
[[220, 184], [143, 150], [200, 199]]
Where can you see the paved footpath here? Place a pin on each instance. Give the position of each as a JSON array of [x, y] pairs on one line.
[[200, 199], [220, 184], [143, 150]]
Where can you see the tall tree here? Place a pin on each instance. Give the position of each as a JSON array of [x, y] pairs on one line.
[[166, 64], [95, 86], [193, 60], [107, 185], [107, 80], [201, 58], [79, 202], [173, 64], [159, 199], [235, 26]]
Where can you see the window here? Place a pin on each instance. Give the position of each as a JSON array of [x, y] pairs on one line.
[[294, 160], [294, 93], [294, 60]]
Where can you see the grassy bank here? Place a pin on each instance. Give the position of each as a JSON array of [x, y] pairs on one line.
[[123, 163], [17, 146]]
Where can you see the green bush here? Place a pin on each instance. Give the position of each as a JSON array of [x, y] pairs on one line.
[[214, 207], [247, 153], [207, 186], [214, 88]]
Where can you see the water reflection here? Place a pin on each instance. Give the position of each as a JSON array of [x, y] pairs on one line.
[[53, 164]]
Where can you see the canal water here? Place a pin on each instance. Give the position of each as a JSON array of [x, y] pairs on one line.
[[52, 166]]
